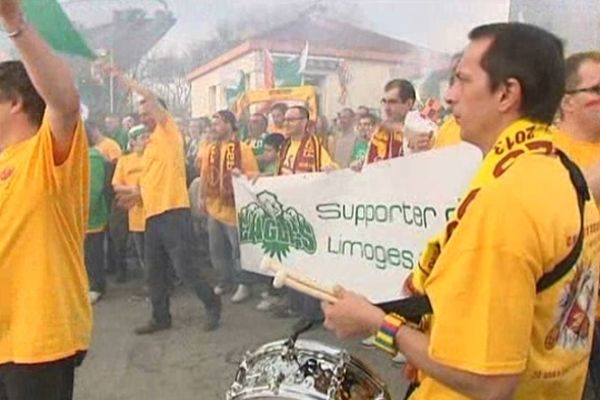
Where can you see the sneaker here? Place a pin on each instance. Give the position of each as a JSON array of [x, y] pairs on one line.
[[152, 327], [242, 293], [399, 359], [95, 297], [220, 290], [267, 303], [369, 342]]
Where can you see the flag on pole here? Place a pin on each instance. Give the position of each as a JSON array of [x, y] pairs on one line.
[[289, 70], [54, 25]]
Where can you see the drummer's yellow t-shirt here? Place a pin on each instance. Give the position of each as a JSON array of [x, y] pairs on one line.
[[45, 313], [583, 153], [487, 317]]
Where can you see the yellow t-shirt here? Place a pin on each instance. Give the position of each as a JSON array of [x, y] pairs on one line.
[[45, 313], [290, 156], [581, 152], [448, 135], [249, 167], [487, 317], [127, 172], [109, 149], [163, 183]]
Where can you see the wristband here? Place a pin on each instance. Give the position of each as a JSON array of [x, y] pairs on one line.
[[385, 338]]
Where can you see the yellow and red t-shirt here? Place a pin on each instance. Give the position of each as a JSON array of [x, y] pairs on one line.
[[215, 207], [45, 313], [109, 148], [487, 317], [163, 180], [127, 173]]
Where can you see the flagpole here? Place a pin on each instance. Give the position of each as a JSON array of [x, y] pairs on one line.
[[111, 85]]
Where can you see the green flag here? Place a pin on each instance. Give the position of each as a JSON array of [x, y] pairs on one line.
[[234, 92], [53, 24]]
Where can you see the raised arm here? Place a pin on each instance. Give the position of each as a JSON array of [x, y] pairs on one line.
[[50, 75], [155, 109]]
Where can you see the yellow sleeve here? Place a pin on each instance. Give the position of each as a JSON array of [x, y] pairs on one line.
[[482, 288], [249, 163], [119, 174]]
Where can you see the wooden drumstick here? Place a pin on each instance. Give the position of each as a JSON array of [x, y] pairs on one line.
[[270, 264], [283, 279]]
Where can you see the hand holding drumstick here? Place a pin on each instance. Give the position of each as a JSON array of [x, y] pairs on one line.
[[346, 313], [296, 281]]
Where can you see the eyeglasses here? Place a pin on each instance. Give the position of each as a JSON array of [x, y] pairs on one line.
[[592, 89], [385, 101]]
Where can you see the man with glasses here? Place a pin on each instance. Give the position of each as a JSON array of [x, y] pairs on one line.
[[579, 137], [302, 152], [388, 140]]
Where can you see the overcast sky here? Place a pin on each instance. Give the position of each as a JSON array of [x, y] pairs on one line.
[[438, 24]]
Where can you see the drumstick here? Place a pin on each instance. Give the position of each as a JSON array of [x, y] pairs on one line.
[[275, 266], [283, 279]]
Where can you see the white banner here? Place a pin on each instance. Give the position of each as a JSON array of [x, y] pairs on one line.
[[364, 231]]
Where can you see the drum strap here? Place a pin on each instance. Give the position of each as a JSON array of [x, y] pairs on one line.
[[415, 307]]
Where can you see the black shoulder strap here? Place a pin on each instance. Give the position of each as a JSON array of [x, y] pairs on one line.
[[583, 195], [413, 308]]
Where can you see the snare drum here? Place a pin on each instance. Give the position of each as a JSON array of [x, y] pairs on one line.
[[306, 370]]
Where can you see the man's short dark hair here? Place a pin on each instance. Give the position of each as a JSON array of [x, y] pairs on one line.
[[274, 140], [228, 117], [279, 106], [15, 84], [572, 65], [303, 111], [532, 56], [406, 89]]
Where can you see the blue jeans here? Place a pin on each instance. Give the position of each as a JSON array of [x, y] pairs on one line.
[[224, 245]]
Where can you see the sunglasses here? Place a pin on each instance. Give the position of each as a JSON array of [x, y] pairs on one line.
[[592, 89]]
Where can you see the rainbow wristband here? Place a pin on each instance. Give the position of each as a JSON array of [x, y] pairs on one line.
[[385, 338]]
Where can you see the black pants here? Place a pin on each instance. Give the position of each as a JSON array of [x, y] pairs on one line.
[[594, 366], [45, 381], [169, 239], [118, 231], [94, 261]]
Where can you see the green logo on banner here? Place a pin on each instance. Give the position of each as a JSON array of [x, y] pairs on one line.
[[277, 228]]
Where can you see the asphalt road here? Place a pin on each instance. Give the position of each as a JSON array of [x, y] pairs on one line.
[[185, 363]]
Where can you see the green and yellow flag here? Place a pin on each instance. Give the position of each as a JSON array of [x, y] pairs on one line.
[[54, 25]]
